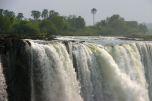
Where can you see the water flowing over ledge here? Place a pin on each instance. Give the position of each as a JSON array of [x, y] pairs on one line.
[[78, 70]]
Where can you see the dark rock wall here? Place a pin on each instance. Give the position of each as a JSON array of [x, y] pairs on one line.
[[16, 68]]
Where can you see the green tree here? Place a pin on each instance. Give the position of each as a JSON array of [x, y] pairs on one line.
[[44, 14], [7, 19], [80, 22], [36, 14], [116, 25], [5, 12], [143, 28], [59, 23], [20, 16], [75, 22], [115, 18], [8, 13], [52, 14], [47, 27], [1, 12], [5, 24], [25, 27], [93, 11]]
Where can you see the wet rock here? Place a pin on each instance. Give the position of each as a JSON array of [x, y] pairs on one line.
[[16, 64]]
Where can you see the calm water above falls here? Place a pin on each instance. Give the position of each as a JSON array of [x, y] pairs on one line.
[[91, 71]]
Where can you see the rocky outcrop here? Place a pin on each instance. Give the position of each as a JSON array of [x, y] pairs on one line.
[[15, 55]]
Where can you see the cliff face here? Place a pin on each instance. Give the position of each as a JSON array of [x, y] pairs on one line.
[[15, 58]]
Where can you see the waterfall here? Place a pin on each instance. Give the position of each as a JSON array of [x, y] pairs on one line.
[[54, 78], [85, 71], [145, 50], [3, 86], [116, 71]]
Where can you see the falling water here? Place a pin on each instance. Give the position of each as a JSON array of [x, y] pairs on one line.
[[3, 94], [116, 71], [54, 78], [89, 71], [93, 73]]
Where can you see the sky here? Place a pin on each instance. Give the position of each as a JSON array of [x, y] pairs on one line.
[[132, 10]]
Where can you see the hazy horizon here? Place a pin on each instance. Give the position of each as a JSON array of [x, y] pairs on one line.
[[133, 10]]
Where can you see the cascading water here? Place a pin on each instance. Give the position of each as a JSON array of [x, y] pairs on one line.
[[53, 75], [84, 71], [111, 73], [3, 94], [145, 50]]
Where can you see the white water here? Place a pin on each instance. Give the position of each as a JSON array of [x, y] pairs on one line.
[[91, 72], [54, 78], [3, 94]]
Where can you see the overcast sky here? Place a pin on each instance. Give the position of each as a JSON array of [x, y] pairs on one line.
[[139, 10]]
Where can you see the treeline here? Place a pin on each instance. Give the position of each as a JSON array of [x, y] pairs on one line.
[[42, 23], [116, 25], [50, 22]]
